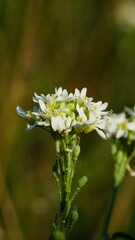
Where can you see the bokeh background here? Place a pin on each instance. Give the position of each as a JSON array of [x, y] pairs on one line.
[[46, 44]]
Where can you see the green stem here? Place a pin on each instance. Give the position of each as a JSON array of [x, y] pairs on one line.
[[104, 234], [67, 152]]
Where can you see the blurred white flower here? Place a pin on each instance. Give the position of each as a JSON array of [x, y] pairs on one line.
[[121, 126], [124, 14]]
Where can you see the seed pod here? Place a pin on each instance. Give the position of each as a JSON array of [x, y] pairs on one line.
[[76, 151], [57, 145], [120, 156], [113, 149], [74, 216], [57, 235], [82, 181]]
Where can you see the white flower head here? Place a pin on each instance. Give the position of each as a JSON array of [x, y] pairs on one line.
[[121, 126], [65, 113], [117, 126]]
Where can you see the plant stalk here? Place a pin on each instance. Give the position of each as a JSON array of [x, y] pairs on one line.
[[104, 233]]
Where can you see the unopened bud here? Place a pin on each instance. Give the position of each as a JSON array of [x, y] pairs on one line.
[[82, 181], [57, 235], [72, 115], [74, 216], [120, 156], [113, 149], [76, 151]]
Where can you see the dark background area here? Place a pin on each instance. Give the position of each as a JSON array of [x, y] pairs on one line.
[[72, 44]]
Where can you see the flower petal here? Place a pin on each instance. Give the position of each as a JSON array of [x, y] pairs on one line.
[[21, 112], [42, 105], [101, 133]]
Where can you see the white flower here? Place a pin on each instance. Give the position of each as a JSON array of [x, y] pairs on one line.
[[100, 127], [99, 107], [82, 116], [117, 126], [59, 124], [120, 126]]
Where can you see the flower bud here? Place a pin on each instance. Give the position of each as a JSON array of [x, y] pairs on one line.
[[120, 156], [72, 115], [74, 216], [71, 106], [76, 151], [113, 149], [61, 105], [82, 181], [57, 235]]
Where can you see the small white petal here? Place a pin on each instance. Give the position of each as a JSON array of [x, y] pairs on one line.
[[45, 123], [83, 92], [21, 112], [120, 133], [130, 111], [42, 105], [103, 106], [101, 133], [131, 126], [77, 93]]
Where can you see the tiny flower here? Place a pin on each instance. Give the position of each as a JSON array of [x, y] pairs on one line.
[[99, 107], [121, 126], [117, 126], [82, 116], [59, 124]]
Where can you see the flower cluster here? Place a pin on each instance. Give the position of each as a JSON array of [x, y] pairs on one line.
[[121, 128], [122, 125], [63, 113]]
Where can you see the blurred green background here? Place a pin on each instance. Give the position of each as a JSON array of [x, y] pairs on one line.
[[46, 44]]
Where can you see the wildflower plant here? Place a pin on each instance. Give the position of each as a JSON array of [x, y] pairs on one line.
[[66, 117], [121, 129]]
